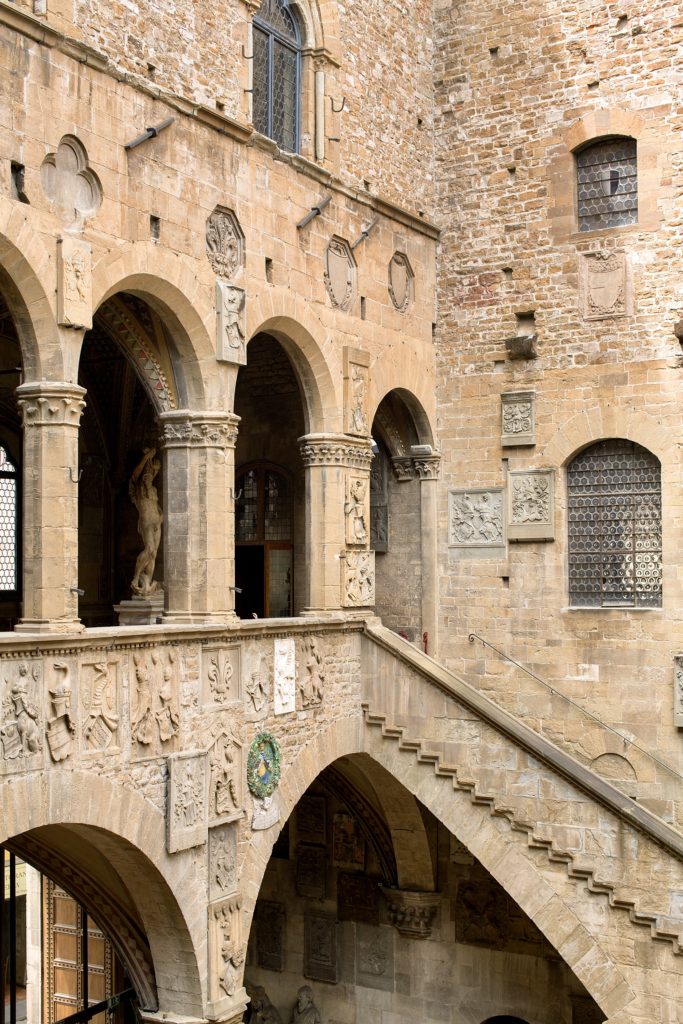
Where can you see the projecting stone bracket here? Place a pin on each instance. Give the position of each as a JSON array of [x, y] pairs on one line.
[[522, 346], [412, 913]]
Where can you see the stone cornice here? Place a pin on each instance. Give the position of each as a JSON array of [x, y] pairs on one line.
[[336, 450], [50, 403], [183, 428]]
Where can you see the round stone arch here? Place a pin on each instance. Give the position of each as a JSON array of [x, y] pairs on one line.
[[412, 381], [418, 417], [504, 854], [26, 280], [288, 319], [127, 835], [171, 284]]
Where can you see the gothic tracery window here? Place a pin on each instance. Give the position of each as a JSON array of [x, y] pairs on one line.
[[607, 184], [615, 526], [277, 59]]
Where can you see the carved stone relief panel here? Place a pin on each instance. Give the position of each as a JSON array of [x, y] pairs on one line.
[[310, 871], [311, 825], [476, 518], [517, 414], [270, 921], [226, 956], [223, 876], [357, 510], [231, 341], [401, 281], [284, 676], [70, 183], [605, 285], [356, 383], [258, 674], [379, 503], [22, 725], [357, 898], [225, 771], [74, 282], [312, 682], [531, 505], [186, 819], [221, 675], [348, 842], [340, 274], [155, 712], [224, 243], [60, 724], [375, 957], [321, 947], [100, 696], [678, 691], [358, 579]]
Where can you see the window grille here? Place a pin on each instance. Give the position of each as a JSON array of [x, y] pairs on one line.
[[277, 56], [607, 182], [8, 523], [615, 527]]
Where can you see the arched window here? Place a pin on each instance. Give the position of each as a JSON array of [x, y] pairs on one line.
[[615, 526], [9, 515], [263, 543], [607, 184], [277, 59]]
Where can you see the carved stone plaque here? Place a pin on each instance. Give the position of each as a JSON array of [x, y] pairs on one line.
[[224, 243], [310, 871], [375, 957], [356, 382], [605, 291], [225, 777], [155, 712], [379, 503], [22, 722], [101, 717], [312, 681], [222, 861], [340, 273], [74, 282], [476, 518], [678, 691], [517, 428], [187, 801], [358, 579], [348, 842], [226, 956], [231, 341], [311, 819], [401, 281], [531, 505], [321, 948], [270, 921], [220, 675], [284, 673], [357, 898], [357, 510]]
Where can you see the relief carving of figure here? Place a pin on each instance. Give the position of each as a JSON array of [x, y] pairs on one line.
[[358, 389], [231, 972], [224, 779], [311, 688], [354, 510], [143, 722], [233, 304], [144, 496], [257, 691], [305, 1011], [167, 716], [360, 581], [61, 727], [102, 722], [190, 801], [224, 866], [261, 1009], [20, 734]]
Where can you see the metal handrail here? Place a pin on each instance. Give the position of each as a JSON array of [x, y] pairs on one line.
[[663, 764]]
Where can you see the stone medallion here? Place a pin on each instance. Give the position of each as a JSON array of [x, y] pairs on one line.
[[401, 278], [340, 273], [263, 765]]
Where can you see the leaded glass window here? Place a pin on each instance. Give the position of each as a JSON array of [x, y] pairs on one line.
[[277, 55], [8, 523], [607, 182], [615, 527]]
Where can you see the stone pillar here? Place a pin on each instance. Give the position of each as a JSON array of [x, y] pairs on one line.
[[427, 468], [51, 412], [331, 461], [199, 515]]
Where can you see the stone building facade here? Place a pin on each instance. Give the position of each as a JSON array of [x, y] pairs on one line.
[[341, 657]]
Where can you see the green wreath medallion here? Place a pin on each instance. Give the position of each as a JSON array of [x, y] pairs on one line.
[[263, 765]]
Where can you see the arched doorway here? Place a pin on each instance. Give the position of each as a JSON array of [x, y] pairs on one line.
[[269, 484]]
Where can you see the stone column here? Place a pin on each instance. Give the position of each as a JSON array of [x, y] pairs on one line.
[[331, 461], [199, 515], [51, 412], [427, 468]]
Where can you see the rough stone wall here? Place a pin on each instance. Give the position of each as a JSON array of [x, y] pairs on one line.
[[515, 96], [399, 570]]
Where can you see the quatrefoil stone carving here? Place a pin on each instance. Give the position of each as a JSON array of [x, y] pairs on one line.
[[70, 183]]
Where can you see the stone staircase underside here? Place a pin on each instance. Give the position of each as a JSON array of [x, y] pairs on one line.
[[601, 838]]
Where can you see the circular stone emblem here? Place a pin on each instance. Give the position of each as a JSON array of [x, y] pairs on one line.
[[263, 765]]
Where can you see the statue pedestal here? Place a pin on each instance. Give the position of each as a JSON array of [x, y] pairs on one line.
[[141, 611]]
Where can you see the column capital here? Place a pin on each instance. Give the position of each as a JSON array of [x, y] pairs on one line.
[[184, 428], [45, 403], [428, 467], [412, 913], [336, 450]]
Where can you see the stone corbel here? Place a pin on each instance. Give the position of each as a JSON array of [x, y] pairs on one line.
[[427, 467], [412, 913]]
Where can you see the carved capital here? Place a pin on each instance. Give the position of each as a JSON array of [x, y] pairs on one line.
[[428, 467], [403, 468], [412, 913], [185, 429], [336, 450], [48, 403]]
